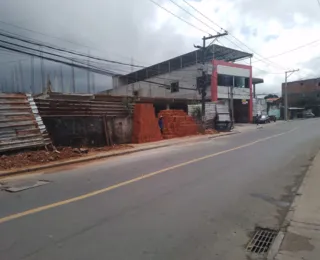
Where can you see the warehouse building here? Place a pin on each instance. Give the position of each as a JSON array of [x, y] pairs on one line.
[[180, 76]]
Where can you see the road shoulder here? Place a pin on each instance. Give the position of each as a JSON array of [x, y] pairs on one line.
[[302, 225]]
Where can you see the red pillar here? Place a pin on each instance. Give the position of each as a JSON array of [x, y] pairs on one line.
[[250, 106]]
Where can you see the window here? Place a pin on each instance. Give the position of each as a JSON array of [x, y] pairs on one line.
[[228, 81], [247, 83], [174, 86], [225, 80], [318, 84], [301, 83], [241, 82]]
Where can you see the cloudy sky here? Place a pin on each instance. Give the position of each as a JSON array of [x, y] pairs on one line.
[[140, 31]]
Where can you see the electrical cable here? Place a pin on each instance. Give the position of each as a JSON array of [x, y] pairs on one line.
[[294, 49], [185, 21], [91, 68], [249, 48], [193, 16], [68, 51]]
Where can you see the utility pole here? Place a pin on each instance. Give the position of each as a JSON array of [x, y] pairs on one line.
[[93, 84], [12, 89], [61, 78], [73, 80], [33, 90], [88, 74], [231, 103], [16, 77], [203, 84], [287, 75], [43, 87], [21, 77]]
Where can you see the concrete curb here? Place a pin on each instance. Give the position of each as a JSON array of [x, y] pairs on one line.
[[102, 156]]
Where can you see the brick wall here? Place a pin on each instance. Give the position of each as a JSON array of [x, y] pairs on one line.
[[301, 93]]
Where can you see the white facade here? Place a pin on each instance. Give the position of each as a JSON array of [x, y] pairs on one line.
[[232, 71], [238, 93], [187, 78]]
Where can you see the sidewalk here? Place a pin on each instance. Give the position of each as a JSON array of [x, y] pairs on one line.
[[302, 236], [136, 148]]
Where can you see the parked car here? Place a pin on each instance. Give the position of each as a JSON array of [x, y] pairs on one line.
[[273, 118], [264, 119], [309, 115]]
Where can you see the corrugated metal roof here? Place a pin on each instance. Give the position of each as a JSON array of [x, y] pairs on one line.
[[62, 107], [19, 126]]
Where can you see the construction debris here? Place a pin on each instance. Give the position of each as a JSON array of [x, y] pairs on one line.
[[31, 158], [211, 131], [177, 124]]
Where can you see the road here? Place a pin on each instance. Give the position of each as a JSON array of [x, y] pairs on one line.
[[199, 200]]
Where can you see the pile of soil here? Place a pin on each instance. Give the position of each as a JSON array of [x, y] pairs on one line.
[[211, 131], [36, 157]]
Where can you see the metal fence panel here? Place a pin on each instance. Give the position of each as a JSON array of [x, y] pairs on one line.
[[20, 126]]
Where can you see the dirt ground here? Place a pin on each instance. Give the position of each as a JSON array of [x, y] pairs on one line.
[[36, 157]]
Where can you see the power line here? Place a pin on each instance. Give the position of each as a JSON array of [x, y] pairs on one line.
[[55, 37], [297, 48], [230, 34], [11, 61], [91, 68], [185, 21], [68, 51], [58, 61], [54, 54], [41, 33], [193, 16], [266, 72]]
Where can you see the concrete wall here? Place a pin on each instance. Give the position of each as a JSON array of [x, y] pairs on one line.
[[122, 130]]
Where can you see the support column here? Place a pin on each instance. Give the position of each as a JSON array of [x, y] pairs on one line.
[[214, 82], [250, 106]]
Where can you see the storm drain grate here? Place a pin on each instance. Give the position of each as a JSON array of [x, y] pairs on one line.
[[262, 240]]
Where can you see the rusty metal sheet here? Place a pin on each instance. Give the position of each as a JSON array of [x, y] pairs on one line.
[[66, 106], [20, 127]]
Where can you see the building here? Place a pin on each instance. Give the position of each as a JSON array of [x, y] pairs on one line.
[[274, 107], [180, 76], [304, 94]]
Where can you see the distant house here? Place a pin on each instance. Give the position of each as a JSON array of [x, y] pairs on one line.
[[304, 94], [274, 107]]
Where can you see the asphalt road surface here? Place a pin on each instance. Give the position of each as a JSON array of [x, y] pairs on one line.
[[199, 200]]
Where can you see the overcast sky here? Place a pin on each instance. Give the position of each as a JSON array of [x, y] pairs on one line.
[[138, 30]]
